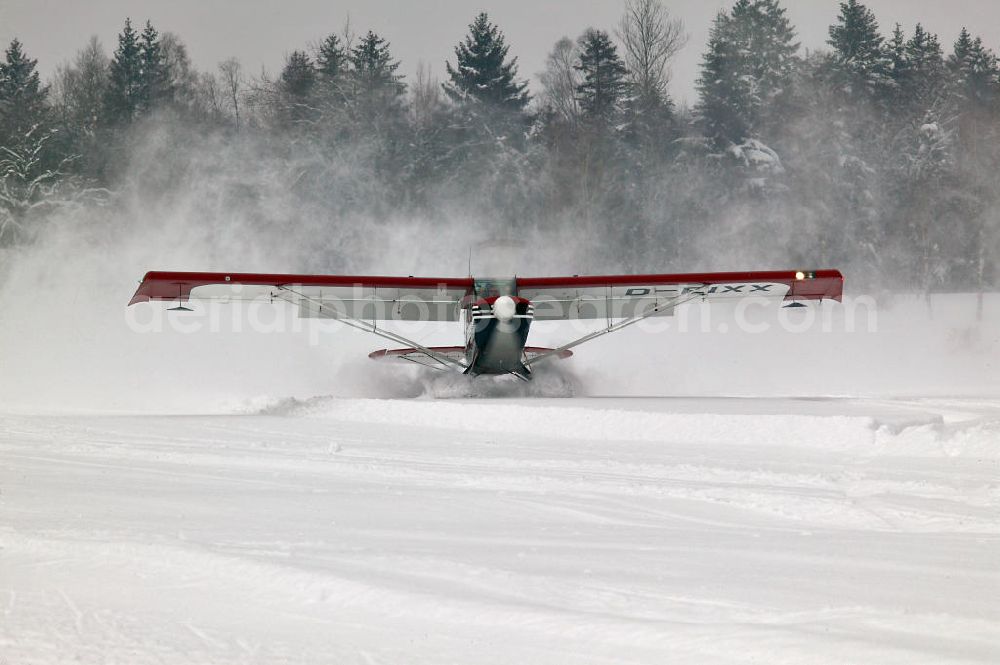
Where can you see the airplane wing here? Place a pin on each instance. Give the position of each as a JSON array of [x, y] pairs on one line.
[[628, 296], [319, 296], [624, 300]]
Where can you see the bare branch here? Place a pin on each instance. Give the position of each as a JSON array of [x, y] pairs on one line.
[[650, 38], [231, 72], [561, 78], [426, 94]]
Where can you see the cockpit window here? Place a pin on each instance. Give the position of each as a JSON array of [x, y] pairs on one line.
[[488, 288]]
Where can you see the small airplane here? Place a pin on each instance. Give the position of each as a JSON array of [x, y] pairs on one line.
[[497, 312]]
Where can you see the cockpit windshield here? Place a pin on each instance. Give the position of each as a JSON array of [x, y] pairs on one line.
[[488, 288]]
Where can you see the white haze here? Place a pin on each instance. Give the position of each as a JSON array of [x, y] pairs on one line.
[[198, 203]]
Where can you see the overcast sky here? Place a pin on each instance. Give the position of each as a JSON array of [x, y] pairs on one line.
[[261, 33]]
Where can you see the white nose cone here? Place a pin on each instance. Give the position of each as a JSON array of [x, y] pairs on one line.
[[504, 308]]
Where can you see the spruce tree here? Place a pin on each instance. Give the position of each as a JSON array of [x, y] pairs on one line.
[[974, 78], [973, 70], [332, 69], [859, 61], [332, 60], [22, 96], [899, 65], [155, 79], [296, 83], [747, 71], [772, 61], [125, 89], [983, 77], [961, 52], [483, 73], [724, 96], [298, 76], [377, 88], [603, 87], [924, 51], [927, 74], [29, 162]]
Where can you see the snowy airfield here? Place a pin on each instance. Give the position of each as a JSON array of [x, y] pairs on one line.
[[223, 498]]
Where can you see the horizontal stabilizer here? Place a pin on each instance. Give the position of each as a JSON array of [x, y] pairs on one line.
[[455, 353]]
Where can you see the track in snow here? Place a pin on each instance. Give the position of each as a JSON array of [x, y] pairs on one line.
[[548, 531]]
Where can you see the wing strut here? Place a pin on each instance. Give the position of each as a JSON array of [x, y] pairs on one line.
[[330, 313], [625, 323]]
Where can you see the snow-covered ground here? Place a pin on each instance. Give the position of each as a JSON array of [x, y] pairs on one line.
[[164, 499], [638, 530]]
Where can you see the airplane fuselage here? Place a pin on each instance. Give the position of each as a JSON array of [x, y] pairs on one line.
[[496, 329]]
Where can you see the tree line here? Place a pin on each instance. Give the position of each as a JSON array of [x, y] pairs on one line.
[[878, 153]]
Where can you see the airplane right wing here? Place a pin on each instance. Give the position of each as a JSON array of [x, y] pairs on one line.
[[627, 296], [624, 300]]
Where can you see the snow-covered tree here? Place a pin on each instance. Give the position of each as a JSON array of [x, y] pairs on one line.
[[483, 73], [747, 71], [975, 75], [30, 185], [22, 96], [724, 104], [924, 84], [859, 62], [899, 62]]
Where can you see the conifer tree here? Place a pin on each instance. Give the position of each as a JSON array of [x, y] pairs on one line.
[[959, 59], [22, 96], [332, 71], [483, 72], [296, 83], [859, 61], [771, 60], [377, 88], [155, 80], [724, 95], [747, 71], [332, 61], [974, 71], [298, 76], [983, 77], [899, 64], [603, 87], [974, 80], [124, 95], [926, 77]]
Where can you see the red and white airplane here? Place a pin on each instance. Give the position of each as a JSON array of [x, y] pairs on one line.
[[497, 312]]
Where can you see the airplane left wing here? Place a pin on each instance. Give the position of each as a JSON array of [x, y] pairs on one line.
[[319, 296]]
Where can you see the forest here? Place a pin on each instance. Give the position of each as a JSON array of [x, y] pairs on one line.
[[878, 154]]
